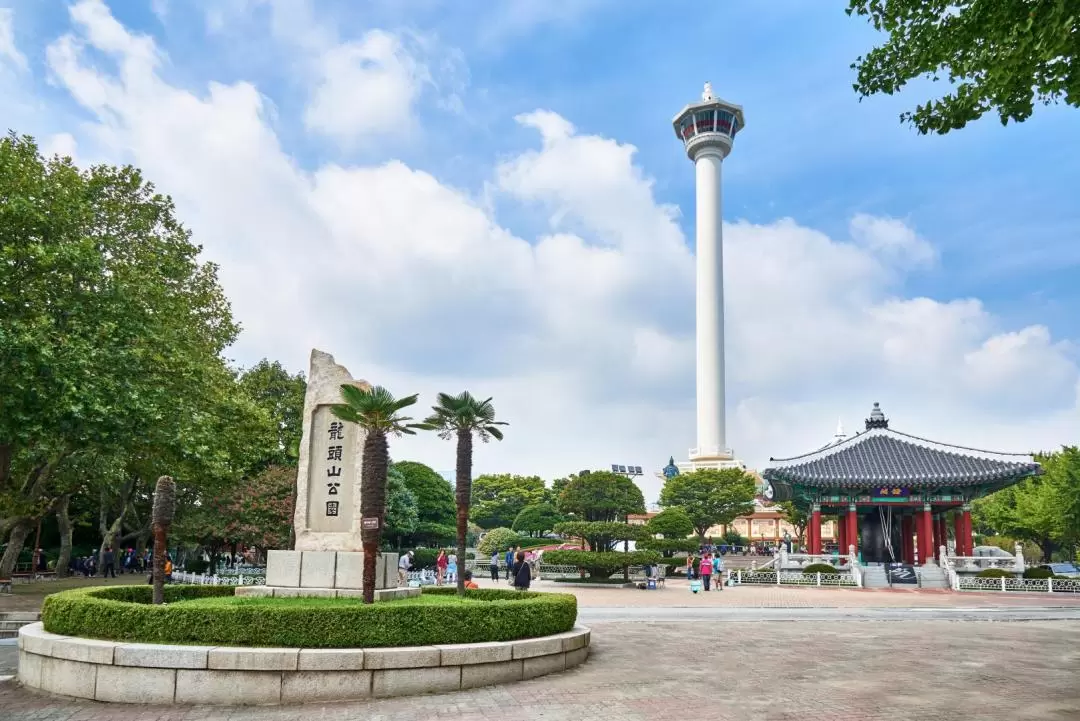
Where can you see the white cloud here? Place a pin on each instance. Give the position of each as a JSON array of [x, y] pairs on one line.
[[9, 53], [365, 88], [583, 335]]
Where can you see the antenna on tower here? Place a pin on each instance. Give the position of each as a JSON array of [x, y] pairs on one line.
[[707, 93]]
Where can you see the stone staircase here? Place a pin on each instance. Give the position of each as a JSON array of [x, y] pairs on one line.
[[929, 577], [874, 577], [933, 577], [12, 621]]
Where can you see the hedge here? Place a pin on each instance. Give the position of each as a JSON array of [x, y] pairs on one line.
[[124, 613], [820, 568], [669, 545], [995, 573], [601, 564]]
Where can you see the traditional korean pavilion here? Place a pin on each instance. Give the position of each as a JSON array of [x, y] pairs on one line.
[[893, 494]]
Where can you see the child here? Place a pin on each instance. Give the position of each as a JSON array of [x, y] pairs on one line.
[[451, 570], [469, 583]]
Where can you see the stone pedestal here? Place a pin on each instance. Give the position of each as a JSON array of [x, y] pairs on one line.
[[327, 570]]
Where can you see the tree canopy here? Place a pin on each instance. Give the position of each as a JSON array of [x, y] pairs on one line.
[[497, 499], [537, 519], [601, 496], [673, 523], [998, 55], [434, 497], [709, 496]]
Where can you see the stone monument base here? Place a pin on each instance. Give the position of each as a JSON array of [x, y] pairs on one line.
[[328, 570], [381, 594]]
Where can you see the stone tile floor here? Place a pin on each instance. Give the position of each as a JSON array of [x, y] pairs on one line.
[[655, 671]]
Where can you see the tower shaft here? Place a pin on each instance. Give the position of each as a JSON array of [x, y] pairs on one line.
[[711, 430]]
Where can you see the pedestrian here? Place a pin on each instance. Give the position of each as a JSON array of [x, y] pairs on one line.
[[690, 567], [451, 569], [108, 563], [705, 570], [718, 571], [403, 565], [494, 566], [440, 567], [469, 583], [509, 562], [522, 572]]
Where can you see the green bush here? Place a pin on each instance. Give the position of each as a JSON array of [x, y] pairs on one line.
[[820, 568], [497, 540], [424, 558], [601, 564], [1038, 573], [531, 542], [669, 545], [124, 613], [995, 573], [196, 565]]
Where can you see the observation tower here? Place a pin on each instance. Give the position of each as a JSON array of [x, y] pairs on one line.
[[707, 129]]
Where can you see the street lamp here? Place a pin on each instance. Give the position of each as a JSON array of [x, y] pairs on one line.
[[630, 472]]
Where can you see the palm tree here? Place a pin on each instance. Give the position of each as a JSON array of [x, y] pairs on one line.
[[461, 416], [164, 509], [376, 411]]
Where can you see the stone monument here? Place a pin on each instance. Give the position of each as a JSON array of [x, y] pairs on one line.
[[327, 559]]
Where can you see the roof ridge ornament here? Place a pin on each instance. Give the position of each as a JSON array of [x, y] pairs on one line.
[[877, 419], [707, 94]]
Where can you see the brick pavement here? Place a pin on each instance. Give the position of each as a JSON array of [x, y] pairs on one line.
[[809, 671]]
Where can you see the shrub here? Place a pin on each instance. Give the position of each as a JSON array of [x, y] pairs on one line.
[[672, 524], [196, 565], [820, 568], [601, 564], [994, 573], [601, 535], [424, 558], [124, 613], [497, 540], [1038, 573], [668, 546]]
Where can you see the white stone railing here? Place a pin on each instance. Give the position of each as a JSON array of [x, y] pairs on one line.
[[1030, 585], [202, 579], [853, 566], [802, 560], [792, 578]]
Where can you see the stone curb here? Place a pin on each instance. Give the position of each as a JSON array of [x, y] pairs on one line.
[[121, 672]]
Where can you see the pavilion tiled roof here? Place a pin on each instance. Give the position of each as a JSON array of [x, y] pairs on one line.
[[881, 455]]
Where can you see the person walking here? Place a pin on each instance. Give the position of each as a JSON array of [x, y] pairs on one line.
[[108, 563], [494, 566], [522, 572], [440, 568], [509, 562], [690, 567], [705, 570], [403, 565], [718, 571], [451, 569]]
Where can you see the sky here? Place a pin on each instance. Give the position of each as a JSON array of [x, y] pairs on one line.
[[490, 196]]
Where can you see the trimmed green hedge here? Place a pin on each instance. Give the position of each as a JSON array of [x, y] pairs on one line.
[[124, 613], [995, 573], [604, 563], [820, 568]]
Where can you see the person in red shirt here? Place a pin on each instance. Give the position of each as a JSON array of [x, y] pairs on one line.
[[705, 569], [469, 583], [440, 567]]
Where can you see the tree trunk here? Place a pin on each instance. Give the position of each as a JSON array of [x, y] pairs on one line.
[[463, 493], [19, 531], [140, 547], [160, 536], [373, 504], [63, 521], [1048, 547]]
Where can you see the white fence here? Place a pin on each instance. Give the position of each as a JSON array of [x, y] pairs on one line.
[[202, 579], [1028, 585], [793, 578]]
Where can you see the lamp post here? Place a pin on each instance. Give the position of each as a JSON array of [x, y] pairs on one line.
[[630, 472]]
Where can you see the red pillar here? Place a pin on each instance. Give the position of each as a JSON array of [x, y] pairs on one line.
[[815, 534], [958, 531], [936, 520], [852, 528], [926, 535], [907, 550], [969, 543], [841, 533]]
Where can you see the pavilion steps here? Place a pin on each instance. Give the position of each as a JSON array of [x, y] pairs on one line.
[[12, 621], [929, 577]]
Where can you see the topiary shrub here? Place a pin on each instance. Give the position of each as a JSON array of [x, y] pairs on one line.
[[212, 615], [820, 568], [497, 540], [196, 565], [995, 573], [601, 564], [1038, 573], [424, 558]]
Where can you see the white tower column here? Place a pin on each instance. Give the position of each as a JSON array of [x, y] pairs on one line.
[[711, 432]]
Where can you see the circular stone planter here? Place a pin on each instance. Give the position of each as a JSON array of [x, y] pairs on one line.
[[120, 672]]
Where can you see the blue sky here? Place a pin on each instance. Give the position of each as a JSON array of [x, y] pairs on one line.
[[442, 115]]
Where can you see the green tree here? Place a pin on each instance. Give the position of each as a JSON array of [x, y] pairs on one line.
[[551, 495], [601, 496], [111, 338], [281, 395], [497, 499], [998, 55], [377, 413], [709, 496], [460, 417], [672, 523], [434, 501], [497, 540], [798, 518], [537, 519], [1042, 509], [601, 536], [402, 510]]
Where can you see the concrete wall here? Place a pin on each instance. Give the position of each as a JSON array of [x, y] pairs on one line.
[[161, 674]]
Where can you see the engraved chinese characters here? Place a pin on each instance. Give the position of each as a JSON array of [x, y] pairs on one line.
[[331, 473]]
